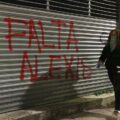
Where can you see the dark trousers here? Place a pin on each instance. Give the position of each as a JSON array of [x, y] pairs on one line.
[[115, 80]]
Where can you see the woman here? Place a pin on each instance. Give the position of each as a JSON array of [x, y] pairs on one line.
[[111, 57]]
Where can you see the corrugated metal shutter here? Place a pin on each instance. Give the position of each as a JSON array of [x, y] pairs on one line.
[[97, 8], [75, 73], [70, 6], [104, 8], [42, 4]]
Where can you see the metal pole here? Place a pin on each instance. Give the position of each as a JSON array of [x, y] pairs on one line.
[[48, 5], [89, 8], [118, 14]]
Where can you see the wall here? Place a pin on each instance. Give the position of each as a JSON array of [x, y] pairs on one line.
[[48, 57]]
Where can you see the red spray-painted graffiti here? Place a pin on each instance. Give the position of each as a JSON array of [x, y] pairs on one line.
[[33, 35], [68, 65]]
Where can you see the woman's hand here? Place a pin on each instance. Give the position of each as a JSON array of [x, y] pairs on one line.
[[99, 64]]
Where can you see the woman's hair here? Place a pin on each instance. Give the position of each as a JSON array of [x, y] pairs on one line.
[[117, 33]]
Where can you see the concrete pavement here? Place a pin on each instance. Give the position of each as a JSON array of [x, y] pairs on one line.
[[80, 108], [94, 114]]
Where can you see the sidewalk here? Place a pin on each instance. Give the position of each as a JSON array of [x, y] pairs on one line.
[[95, 114], [81, 108]]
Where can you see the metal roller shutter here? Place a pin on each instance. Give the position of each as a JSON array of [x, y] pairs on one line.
[[48, 57], [104, 8]]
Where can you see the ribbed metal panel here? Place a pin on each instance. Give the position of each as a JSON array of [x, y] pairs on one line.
[[104, 8], [41, 4], [70, 6], [91, 34], [97, 8]]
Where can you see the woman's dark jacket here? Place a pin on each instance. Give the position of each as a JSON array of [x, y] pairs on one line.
[[111, 59]]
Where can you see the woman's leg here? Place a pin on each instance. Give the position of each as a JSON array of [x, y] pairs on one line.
[[115, 80], [117, 91]]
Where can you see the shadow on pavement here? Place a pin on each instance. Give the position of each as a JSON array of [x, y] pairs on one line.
[[92, 115]]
